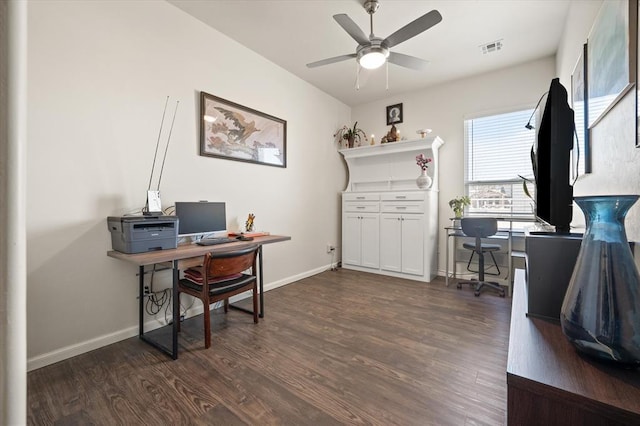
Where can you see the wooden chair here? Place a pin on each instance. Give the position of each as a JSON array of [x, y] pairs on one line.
[[225, 276]]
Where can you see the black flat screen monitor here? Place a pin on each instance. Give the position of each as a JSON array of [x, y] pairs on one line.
[[201, 218], [554, 194]]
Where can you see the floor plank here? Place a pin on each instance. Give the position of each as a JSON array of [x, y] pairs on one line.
[[341, 347]]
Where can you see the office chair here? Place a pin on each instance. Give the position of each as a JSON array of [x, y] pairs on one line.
[[478, 228], [225, 275]]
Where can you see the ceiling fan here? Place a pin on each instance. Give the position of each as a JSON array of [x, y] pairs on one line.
[[372, 52]]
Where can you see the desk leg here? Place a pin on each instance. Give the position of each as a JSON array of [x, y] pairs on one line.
[[141, 302], [446, 266], [260, 290], [176, 310], [261, 282], [173, 352]]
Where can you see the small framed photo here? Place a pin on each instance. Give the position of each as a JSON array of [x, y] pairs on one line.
[[394, 114]]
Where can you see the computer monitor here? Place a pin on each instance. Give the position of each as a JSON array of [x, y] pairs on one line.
[[201, 218]]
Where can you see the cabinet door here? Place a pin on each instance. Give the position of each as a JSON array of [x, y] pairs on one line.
[[390, 242], [351, 239], [370, 239], [413, 244]]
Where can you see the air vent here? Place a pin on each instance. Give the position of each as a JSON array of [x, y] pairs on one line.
[[491, 47]]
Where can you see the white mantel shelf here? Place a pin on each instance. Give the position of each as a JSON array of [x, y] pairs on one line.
[[391, 166]]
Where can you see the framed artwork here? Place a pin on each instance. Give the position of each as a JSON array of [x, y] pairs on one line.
[[611, 58], [581, 161], [235, 132], [394, 114]]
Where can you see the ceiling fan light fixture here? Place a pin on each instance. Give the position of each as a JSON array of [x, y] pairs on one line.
[[372, 57]]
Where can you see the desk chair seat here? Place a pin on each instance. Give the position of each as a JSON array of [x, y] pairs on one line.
[[225, 275], [479, 228]]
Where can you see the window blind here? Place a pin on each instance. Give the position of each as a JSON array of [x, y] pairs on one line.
[[497, 152]]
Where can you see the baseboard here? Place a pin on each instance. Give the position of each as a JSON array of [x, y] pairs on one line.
[[70, 351]]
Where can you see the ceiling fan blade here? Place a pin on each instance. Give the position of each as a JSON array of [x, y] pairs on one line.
[[408, 61], [414, 28], [331, 60], [352, 28]]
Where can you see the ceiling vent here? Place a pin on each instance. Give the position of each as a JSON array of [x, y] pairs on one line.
[[491, 47]]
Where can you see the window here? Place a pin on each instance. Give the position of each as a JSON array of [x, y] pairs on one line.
[[497, 152]]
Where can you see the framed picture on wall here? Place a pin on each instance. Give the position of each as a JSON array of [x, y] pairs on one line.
[[581, 161], [611, 58], [394, 114], [235, 132]]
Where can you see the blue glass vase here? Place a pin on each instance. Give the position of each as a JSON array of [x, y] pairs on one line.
[[601, 310]]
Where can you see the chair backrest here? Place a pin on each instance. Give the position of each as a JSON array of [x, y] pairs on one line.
[[481, 227], [223, 264]]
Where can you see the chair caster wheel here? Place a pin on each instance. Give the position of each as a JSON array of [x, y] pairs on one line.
[[502, 294], [476, 293], [459, 286]]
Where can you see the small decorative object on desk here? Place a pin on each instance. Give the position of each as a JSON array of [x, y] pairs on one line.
[[457, 204], [351, 135], [423, 181], [248, 226], [600, 313]]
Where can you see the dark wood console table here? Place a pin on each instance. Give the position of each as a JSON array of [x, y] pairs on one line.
[[550, 384]]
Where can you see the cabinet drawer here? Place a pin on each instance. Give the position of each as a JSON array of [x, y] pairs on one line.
[[360, 197], [403, 196], [362, 207], [404, 207]]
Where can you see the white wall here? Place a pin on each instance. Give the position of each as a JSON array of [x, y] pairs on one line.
[[615, 160], [443, 108], [98, 78]]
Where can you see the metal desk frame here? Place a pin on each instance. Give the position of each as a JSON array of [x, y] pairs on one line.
[[183, 257]]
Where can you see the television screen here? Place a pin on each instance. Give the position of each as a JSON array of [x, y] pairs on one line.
[[201, 218], [552, 162]]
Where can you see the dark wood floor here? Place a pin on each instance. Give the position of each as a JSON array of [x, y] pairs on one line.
[[337, 348]]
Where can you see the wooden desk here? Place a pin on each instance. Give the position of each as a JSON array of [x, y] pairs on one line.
[[183, 257], [548, 383]]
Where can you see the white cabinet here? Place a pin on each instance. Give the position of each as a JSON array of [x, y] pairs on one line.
[[360, 230], [402, 243], [389, 226], [360, 240]]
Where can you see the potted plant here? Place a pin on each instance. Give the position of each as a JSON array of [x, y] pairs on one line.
[[458, 204], [351, 135]]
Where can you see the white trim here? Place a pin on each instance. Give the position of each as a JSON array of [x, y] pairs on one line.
[[13, 266]]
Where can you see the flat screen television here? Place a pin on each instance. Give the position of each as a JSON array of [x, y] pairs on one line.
[[201, 218], [552, 160]]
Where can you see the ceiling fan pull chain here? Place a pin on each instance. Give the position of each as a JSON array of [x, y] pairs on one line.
[[357, 76], [387, 75]]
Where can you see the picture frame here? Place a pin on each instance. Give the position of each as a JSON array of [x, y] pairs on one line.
[[394, 114], [581, 161], [611, 58], [234, 132]]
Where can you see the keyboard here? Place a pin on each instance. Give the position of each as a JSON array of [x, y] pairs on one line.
[[214, 241]]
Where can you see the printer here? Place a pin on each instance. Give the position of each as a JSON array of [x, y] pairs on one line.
[[140, 234]]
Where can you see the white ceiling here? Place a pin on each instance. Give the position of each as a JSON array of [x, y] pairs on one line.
[[292, 33]]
